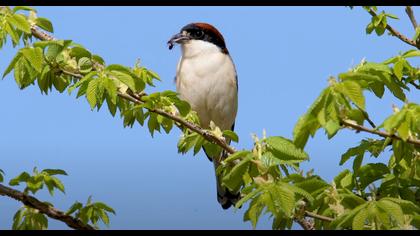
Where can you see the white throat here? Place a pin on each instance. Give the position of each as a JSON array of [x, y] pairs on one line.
[[195, 48]]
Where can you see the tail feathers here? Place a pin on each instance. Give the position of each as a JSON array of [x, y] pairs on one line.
[[226, 198]]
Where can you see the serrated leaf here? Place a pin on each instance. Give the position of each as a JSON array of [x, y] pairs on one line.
[[231, 135], [52, 51], [34, 56], [283, 199], [254, 211], [12, 64], [25, 8], [54, 171], [23, 177], [398, 69], [44, 24], [233, 179], [411, 53], [183, 107], [12, 33], [91, 92], [359, 220], [125, 78], [284, 149], [371, 172], [20, 22], [107, 208], [79, 52], [236, 156], [76, 206], [353, 91], [85, 65]]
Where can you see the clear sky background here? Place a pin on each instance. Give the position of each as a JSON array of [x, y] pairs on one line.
[[283, 55]]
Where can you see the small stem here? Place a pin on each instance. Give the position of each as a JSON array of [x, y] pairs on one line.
[[377, 132], [396, 33], [319, 217], [410, 14]]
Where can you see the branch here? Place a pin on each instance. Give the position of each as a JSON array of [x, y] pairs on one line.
[[136, 99], [319, 217], [44, 208], [410, 14], [377, 132], [396, 33]]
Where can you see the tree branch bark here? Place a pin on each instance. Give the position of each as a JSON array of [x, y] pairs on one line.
[[396, 33], [319, 217], [410, 14], [44, 208], [377, 132]]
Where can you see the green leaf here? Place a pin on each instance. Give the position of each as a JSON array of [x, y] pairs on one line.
[[398, 69], [86, 79], [371, 172], [248, 197], [254, 211], [34, 56], [17, 218], [392, 209], [285, 149], [107, 208], [44, 24], [85, 65], [12, 64], [54, 172], [125, 78], [283, 199], [20, 22], [411, 53], [91, 92], [183, 107], [25, 8], [332, 127], [353, 91], [153, 124], [236, 156], [1, 175], [12, 33], [233, 180], [23, 177], [231, 135], [359, 220], [79, 52], [76, 206]]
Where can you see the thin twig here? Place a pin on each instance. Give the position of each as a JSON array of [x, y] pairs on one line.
[[410, 14], [44, 208], [396, 33], [319, 217], [377, 132]]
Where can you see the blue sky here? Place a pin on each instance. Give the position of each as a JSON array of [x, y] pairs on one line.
[[283, 55]]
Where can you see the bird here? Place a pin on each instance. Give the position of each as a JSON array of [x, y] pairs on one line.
[[206, 78]]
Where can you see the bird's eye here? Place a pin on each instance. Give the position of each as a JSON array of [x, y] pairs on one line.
[[198, 34]]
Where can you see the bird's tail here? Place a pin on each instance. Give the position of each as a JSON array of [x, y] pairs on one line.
[[225, 197]]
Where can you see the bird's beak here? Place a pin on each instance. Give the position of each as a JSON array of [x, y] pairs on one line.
[[177, 38]]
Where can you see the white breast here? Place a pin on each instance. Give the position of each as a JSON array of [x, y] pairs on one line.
[[206, 78]]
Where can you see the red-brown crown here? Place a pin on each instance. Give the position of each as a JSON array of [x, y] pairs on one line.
[[210, 34]]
